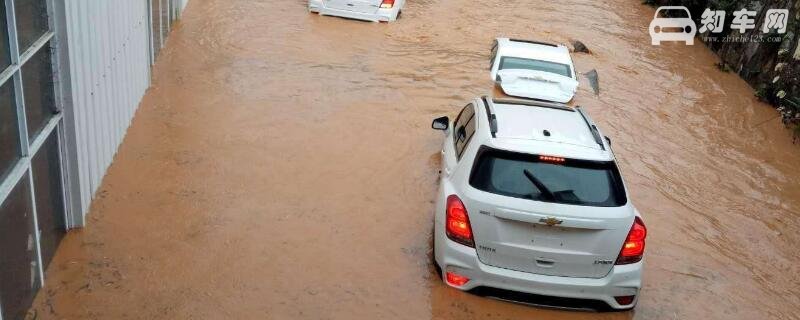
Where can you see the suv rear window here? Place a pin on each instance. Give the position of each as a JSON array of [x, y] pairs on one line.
[[536, 65], [576, 182]]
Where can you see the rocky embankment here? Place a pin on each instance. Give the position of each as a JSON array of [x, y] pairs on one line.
[[770, 62]]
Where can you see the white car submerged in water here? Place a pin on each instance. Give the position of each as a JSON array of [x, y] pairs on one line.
[[367, 10], [531, 206], [533, 69]]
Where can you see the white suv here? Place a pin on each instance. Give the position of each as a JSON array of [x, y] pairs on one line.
[[531, 202], [533, 69]]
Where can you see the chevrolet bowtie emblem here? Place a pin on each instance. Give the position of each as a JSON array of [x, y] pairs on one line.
[[550, 221]]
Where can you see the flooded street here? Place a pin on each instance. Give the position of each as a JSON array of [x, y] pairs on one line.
[[282, 166]]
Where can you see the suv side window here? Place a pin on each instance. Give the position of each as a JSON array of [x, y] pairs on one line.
[[464, 129]]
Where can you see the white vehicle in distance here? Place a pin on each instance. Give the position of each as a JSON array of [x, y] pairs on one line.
[[672, 23], [533, 69], [367, 10], [531, 206]]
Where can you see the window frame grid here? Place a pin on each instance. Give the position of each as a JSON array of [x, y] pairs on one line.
[[150, 35], [169, 15], [158, 40], [54, 126], [160, 24]]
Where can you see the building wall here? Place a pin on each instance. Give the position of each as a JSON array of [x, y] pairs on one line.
[[109, 71], [72, 74], [110, 46]]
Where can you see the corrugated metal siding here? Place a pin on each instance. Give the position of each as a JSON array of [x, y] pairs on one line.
[[109, 73]]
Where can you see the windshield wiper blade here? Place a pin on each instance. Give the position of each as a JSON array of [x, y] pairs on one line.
[[545, 192]]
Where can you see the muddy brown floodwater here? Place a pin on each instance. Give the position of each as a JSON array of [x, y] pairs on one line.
[[283, 167]]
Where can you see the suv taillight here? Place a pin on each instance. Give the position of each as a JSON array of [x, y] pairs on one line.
[[387, 4], [633, 248], [457, 222]]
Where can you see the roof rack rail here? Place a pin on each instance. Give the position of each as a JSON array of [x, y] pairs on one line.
[[490, 115], [592, 128], [534, 42], [533, 103]]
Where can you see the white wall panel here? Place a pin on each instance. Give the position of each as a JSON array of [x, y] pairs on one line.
[[106, 45], [109, 72]]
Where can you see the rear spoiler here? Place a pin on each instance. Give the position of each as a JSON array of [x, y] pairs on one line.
[[533, 103], [534, 42]]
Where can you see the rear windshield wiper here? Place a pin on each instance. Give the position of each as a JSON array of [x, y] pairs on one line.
[[539, 185]]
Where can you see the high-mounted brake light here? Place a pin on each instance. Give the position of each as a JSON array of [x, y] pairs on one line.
[[633, 247], [387, 4], [552, 159], [457, 222]]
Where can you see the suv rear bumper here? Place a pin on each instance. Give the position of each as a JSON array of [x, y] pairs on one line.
[[623, 280], [318, 6]]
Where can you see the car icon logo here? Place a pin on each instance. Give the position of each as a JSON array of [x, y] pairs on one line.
[[551, 221], [672, 23]]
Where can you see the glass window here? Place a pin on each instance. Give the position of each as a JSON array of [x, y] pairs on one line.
[[155, 5], [174, 9], [536, 65], [9, 130], [164, 19], [37, 80], [464, 129], [5, 53], [49, 196], [567, 181], [32, 21], [19, 273]]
